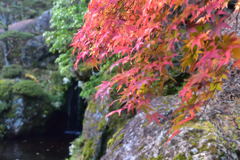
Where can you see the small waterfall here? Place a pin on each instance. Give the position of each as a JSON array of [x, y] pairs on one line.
[[75, 107]]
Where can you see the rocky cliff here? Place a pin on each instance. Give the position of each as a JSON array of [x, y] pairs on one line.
[[28, 50], [214, 136], [31, 88]]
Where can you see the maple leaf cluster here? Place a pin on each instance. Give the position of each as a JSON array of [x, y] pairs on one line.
[[148, 36]]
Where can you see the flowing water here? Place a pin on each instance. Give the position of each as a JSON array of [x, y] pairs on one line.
[[40, 148]]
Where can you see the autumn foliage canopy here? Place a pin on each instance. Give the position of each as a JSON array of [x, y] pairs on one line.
[[152, 37]]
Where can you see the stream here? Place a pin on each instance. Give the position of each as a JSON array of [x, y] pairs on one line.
[[38, 148]]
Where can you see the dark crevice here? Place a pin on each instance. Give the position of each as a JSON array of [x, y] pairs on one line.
[[102, 144], [75, 108]]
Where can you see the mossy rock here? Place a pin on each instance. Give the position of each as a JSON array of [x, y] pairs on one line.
[[82, 149], [12, 71], [88, 150], [116, 138], [3, 106], [2, 131], [5, 89], [159, 157], [180, 157], [29, 88], [15, 35]]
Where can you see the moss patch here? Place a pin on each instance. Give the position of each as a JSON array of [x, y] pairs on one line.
[[29, 88], [82, 149], [88, 149], [180, 157], [3, 106], [5, 89], [116, 138], [207, 126], [101, 125], [12, 71], [15, 35], [159, 157], [2, 131]]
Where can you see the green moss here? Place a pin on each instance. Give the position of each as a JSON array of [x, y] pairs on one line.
[[92, 107], [101, 124], [206, 125], [159, 157], [29, 88], [115, 138], [56, 77], [15, 35], [88, 150], [83, 149], [3, 106], [180, 157], [5, 89], [238, 121], [12, 71], [209, 148], [199, 130], [2, 131]]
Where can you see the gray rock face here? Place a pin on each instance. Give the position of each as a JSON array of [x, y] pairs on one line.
[[91, 126], [35, 53], [15, 123], [42, 23], [215, 136], [25, 116], [32, 52], [36, 26]]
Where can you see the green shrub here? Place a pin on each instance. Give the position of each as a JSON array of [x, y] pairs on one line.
[[3, 106], [15, 35], [12, 71], [63, 27], [5, 89], [29, 88]]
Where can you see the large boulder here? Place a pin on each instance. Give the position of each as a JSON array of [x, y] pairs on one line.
[[36, 26], [28, 51], [97, 129], [28, 100], [35, 53], [87, 146], [216, 135], [24, 107]]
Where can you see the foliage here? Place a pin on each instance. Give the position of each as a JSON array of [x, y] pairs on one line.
[[29, 88], [152, 38], [15, 35], [89, 87], [56, 89], [3, 106], [12, 71], [5, 89], [67, 17], [87, 149]]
